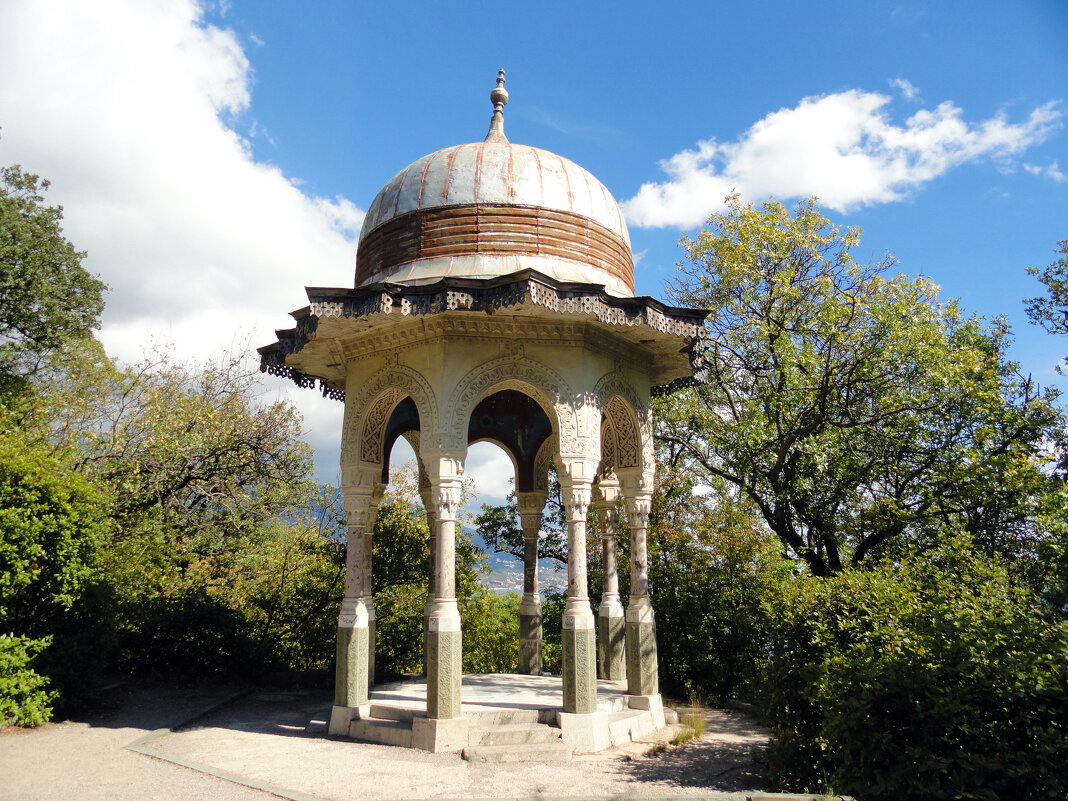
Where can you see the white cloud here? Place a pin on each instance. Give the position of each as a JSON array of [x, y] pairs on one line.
[[842, 148], [1052, 171], [124, 105], [908, 91]]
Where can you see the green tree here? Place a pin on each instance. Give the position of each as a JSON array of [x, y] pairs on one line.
[[1051, 310], [929, 677], [852, 409], [46, 297], [711, 568]]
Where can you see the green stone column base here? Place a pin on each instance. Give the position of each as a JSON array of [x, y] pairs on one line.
[[426, 638], [642, 676], [443, 672], [611, 634], [580, 670], [371, 632], [530, 644], [350, 675]]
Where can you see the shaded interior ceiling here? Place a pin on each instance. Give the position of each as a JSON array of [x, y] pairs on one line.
[[507, 418]]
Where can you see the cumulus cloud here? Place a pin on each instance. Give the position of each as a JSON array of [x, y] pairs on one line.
[[841, 147], [125, 106]]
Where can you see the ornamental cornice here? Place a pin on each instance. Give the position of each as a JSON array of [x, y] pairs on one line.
[[378, 303]]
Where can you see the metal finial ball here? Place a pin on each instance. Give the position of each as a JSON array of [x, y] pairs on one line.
[[499, 95]]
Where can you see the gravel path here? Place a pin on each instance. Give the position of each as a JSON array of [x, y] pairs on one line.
[[254, 746]]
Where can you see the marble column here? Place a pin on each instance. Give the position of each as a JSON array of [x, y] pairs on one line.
[[579, 625], [354, 671], [531, 506], [610, 621], [444, 639], [642, 678]]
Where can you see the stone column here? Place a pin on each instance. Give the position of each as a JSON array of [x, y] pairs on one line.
[[531, 506], [443, 631], [610, 622], [444, 728], [578, 636], [642, 679], [354, 672]]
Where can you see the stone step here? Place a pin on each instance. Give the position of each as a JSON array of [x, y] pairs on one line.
[[628, 725], [401, 713], [382, 731], [491, 718], [530, 752], [514, 734]]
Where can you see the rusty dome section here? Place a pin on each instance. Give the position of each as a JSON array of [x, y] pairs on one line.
[[492, 208]]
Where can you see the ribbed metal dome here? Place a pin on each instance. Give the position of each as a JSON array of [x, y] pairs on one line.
[[491, 208]]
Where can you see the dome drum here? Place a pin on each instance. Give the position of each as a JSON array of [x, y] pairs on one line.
[[429, 244]]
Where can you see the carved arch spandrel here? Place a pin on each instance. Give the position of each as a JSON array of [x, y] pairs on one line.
[[631, 422], [547, 388], [367, 414]]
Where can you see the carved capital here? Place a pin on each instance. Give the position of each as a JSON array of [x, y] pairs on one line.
[[447, 500], [577, 498]]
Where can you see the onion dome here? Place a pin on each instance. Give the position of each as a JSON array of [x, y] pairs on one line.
[[492, 208]]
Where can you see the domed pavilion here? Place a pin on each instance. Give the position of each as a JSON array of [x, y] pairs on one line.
[[494, 301]]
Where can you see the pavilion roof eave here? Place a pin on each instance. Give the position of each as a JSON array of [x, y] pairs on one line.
[[374, 304]]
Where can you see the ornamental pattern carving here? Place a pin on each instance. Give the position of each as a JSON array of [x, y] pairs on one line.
[[539, 382], [374, 425], [541, 465], [615, 387], [399, 377]]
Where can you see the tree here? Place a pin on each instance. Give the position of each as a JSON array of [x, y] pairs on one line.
[[1051, 310], [500, 530], [852, 409], [928, 677], [46, 297]]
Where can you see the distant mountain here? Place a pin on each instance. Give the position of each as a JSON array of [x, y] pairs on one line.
[[506, 572]]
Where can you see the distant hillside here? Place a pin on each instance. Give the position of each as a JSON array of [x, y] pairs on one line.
[[506, 572]]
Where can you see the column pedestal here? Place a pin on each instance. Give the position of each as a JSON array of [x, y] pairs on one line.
[[579, 635], [351, 680]]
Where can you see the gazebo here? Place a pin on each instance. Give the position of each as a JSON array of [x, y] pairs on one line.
[[494, 301]]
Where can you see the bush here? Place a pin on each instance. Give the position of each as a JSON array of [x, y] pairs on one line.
[[23, 699], [931, 678]]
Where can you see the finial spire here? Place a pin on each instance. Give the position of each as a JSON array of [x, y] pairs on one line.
[[499, 98]]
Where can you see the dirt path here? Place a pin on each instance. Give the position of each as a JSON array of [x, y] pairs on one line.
[[255, 747]]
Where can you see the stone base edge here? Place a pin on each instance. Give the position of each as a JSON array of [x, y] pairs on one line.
[[341, 716], [585, 733], [653, 703], [439, 735]]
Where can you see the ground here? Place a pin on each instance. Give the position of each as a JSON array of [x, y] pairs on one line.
[[180, 741]]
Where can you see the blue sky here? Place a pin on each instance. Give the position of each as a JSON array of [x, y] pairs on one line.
[[214, 159]]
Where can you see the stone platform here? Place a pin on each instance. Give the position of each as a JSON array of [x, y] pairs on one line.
[[506, 717]]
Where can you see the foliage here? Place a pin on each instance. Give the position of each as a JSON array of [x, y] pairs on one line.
[[931, 677], [853, 410], [711, 566], [46, 297], [1051, 310], [490, 631], [52, 524], [24, 701]]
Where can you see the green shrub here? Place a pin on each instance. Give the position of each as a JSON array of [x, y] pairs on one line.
[[24, 701], [931, 678]]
